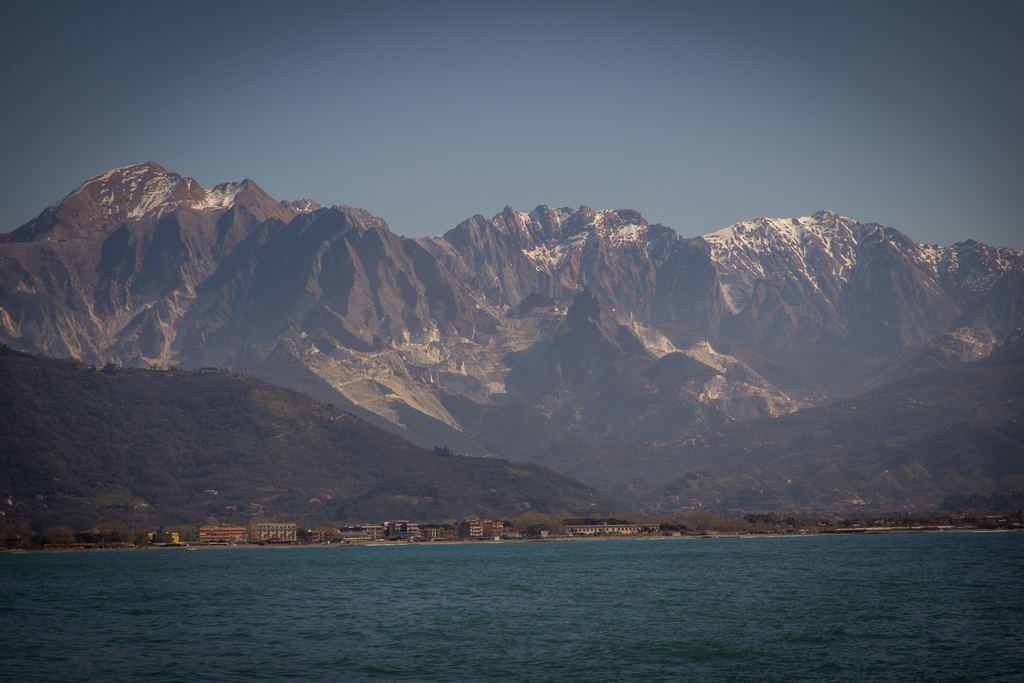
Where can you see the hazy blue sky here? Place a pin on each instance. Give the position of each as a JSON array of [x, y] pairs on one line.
[[697, 114]]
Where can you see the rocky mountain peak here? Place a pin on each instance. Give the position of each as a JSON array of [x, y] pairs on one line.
[[824, 229], [583, 218], [298, 206], [108, 201], [102, 203]]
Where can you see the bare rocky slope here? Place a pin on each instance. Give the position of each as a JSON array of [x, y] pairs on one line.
[[586, 324]]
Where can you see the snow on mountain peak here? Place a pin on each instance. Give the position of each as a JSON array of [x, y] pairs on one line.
[[146, 189], [304, 205], [818, 250], [134, 191], [221, 196], [576, 230], [144, 180], [766, 232]]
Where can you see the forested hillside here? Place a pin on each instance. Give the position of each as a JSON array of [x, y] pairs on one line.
[[84, 444]]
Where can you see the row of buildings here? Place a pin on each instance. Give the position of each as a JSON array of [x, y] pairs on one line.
[[289, 532], [231, 534]]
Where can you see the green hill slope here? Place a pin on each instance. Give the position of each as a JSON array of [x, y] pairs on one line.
[[83, 445]]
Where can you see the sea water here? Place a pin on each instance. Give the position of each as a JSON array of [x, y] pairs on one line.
[[906, 607]]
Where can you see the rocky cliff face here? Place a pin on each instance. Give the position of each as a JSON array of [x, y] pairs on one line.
[[822, 281], [829, 282], [569, 311], [110, 272], [639, 270]]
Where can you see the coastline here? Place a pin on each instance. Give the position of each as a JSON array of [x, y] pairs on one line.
[[856, 531]]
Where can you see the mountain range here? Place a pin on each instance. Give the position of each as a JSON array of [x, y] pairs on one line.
[[557, 328]]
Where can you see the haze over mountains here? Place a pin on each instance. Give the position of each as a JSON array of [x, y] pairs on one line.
[[513, 335]]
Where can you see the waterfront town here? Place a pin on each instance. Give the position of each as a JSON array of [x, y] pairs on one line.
[[699, 524], [472, 529]]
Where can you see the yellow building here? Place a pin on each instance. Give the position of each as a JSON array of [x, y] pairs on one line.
[[165, 537]]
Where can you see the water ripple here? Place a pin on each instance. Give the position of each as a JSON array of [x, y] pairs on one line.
[[872, 608]]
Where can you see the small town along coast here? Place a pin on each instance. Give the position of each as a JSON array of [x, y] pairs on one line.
[[539, 528]]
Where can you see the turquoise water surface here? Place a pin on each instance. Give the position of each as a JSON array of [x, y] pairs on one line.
[[908, 607]]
